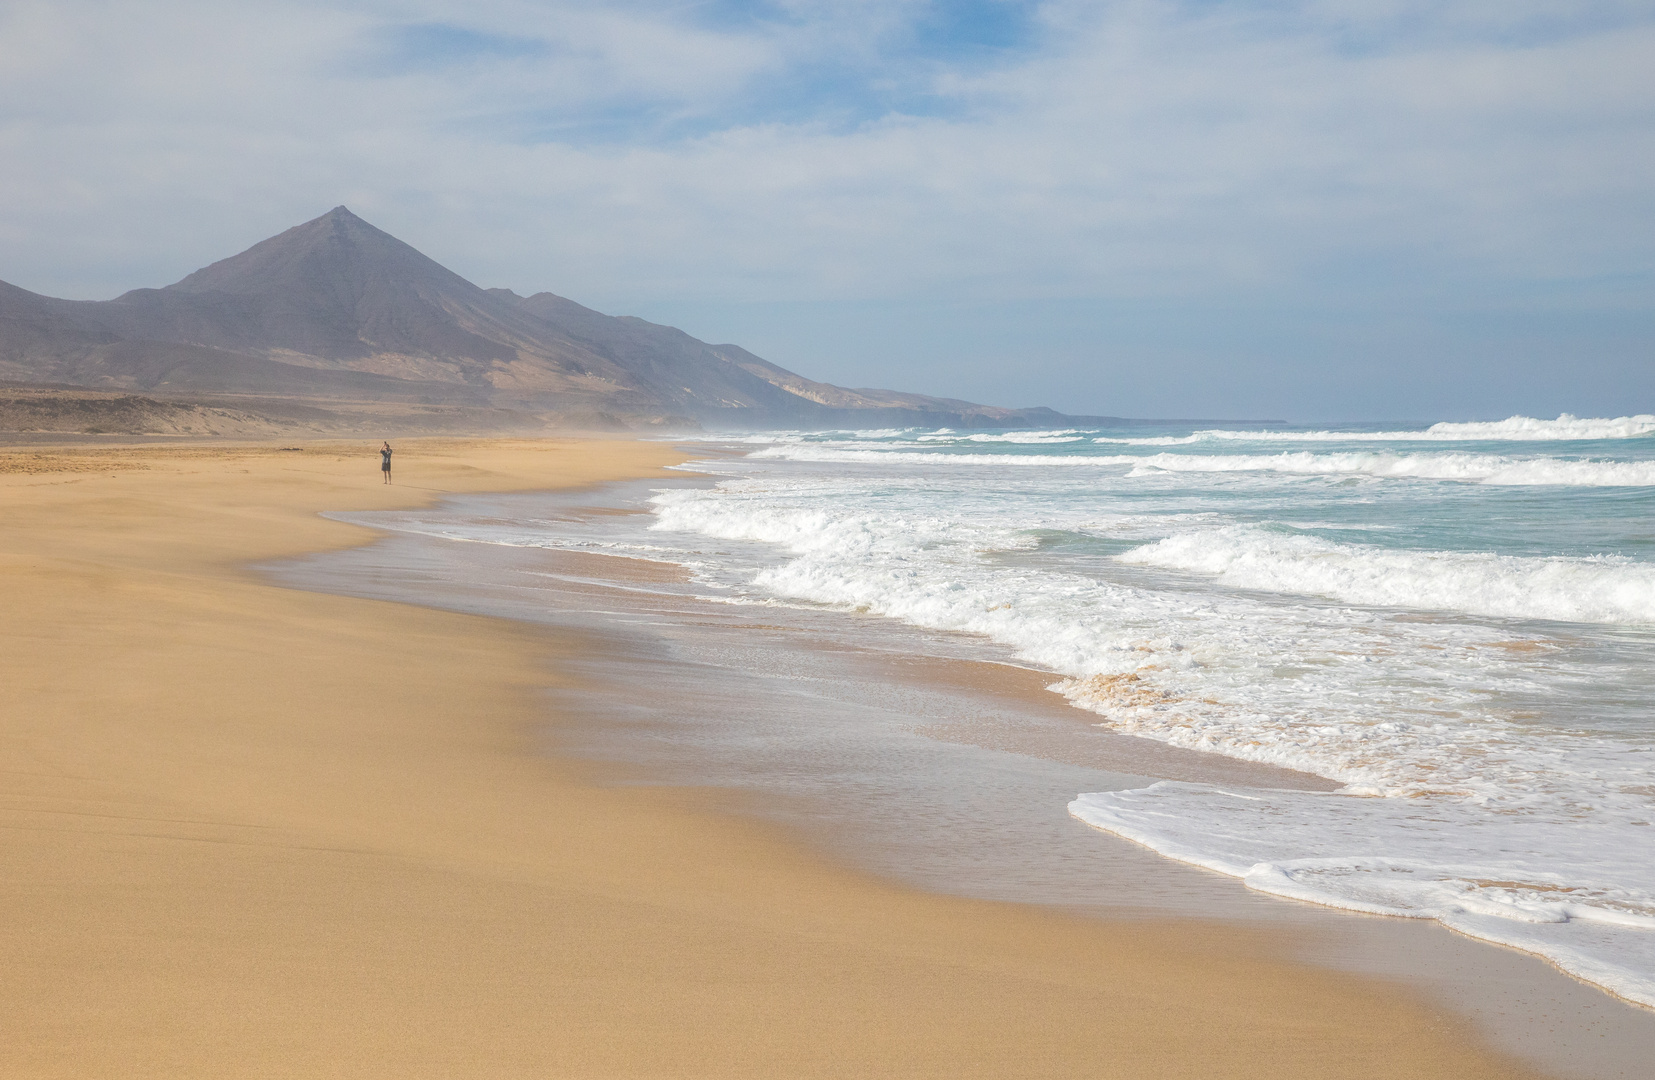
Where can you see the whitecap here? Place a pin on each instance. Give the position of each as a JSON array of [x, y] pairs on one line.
[[1591, 589], [1513, 429]]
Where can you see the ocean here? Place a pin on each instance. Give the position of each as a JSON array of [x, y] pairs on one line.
[[1452, 625]]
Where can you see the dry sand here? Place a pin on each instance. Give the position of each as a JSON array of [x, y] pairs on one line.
[[258, 832]]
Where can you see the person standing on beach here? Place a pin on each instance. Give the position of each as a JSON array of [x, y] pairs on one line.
[[385, 461]]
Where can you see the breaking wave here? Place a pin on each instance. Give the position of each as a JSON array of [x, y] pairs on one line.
[[1549, 888], [1593, 589], [1474, 468], [1565, 428], [1493, 469]]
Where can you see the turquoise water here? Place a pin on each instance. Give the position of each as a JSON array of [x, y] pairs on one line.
[[1457, 623]]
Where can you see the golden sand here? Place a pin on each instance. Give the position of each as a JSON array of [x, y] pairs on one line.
[[256, 832]]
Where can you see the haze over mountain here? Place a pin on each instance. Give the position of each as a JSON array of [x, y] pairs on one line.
[[335, 313]]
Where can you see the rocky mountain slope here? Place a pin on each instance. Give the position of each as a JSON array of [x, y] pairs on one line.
[[336, 314]]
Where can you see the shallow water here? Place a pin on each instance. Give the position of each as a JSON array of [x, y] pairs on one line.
[[856, 723], [1457, 625]]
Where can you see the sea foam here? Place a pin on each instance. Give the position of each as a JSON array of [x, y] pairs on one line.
[[1199, 670], [1593, 589], [1026, 438], [1566, 428], [1492, 469], [1483, 706], [1583, 898]]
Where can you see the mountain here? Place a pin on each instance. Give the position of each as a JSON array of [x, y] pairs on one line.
[[337, 314]]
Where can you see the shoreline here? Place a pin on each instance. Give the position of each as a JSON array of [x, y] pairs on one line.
[[976, 760], [257, 831]]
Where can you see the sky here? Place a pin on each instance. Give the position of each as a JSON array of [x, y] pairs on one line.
[[1252, 209]]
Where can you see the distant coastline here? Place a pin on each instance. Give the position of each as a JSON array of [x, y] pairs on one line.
[[335, 326]]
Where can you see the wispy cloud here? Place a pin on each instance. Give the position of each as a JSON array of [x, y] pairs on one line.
[[1355, 153]]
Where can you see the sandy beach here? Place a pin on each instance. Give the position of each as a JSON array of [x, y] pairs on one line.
[[253, 831]]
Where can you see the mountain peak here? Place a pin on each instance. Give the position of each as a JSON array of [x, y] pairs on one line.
[[337, 252], [333, 287], [337, 307], [341, 217]]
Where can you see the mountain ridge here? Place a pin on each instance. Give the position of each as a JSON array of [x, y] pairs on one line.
[[336, 310]]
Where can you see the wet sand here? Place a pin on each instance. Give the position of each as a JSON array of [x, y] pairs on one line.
[[255, 831], [926, 757]]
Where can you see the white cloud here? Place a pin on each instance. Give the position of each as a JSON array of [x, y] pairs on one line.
[[1137, 148]]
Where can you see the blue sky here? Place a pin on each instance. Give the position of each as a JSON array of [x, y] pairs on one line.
[[1309, 209]]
